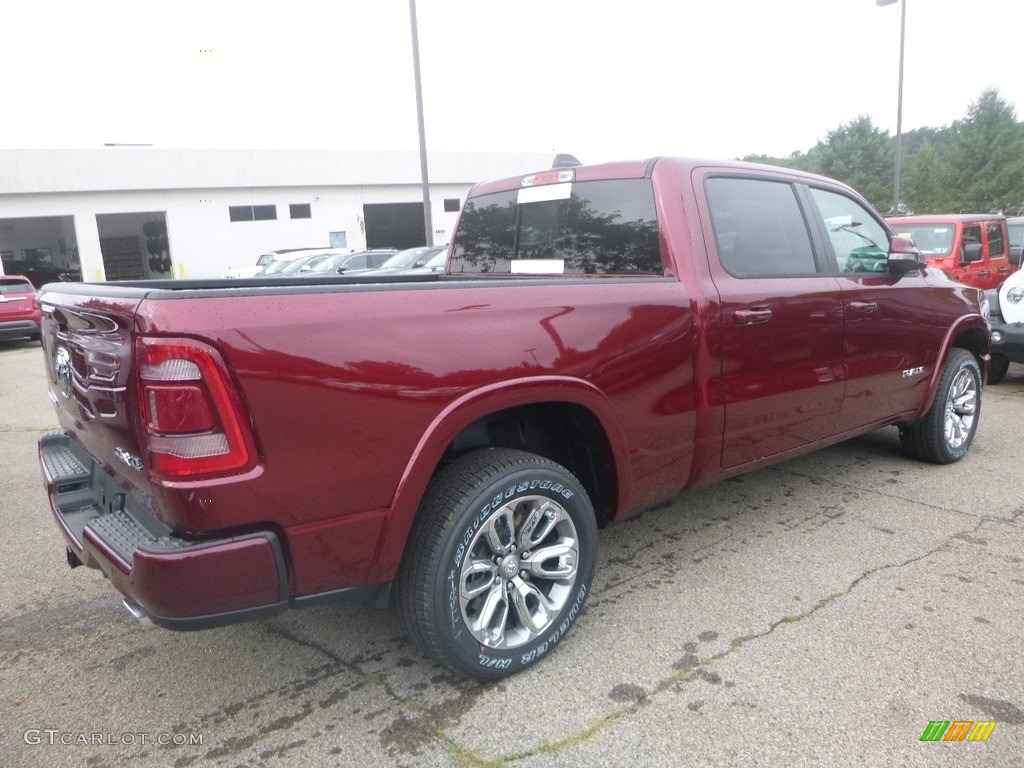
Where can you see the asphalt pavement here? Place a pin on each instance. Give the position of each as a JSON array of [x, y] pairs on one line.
[[820, 612]]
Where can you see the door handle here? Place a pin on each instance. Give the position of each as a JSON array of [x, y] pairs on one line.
[[861, 307], [984, 273], [1004, 270], [752, 316]]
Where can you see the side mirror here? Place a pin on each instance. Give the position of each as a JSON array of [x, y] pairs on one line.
[[1015, 254], [971, 253], [903, 256]]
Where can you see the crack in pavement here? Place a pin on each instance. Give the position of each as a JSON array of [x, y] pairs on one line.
[[612, 589], [315, 675], [876, 491], [692, 667], [407, 735]]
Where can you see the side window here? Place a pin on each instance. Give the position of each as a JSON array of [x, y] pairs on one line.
[[971, 238], [759, 228], [995, 241], [859, 241]]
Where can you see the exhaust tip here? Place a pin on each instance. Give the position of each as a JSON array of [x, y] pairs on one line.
[[136, 610]]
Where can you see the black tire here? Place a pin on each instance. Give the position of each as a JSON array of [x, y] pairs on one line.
[[476, 535], [997, 368], [946, 432]]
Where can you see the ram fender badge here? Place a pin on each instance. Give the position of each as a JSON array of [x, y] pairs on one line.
[[912, 372]]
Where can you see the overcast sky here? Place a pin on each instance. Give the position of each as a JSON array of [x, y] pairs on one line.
[[599, 79]]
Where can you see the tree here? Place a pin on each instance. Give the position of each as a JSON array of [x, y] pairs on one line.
[[975, 165], [987, 157], [858, 154], [926, 186]]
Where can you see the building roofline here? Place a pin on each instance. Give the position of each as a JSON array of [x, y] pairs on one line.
[[33, 171]]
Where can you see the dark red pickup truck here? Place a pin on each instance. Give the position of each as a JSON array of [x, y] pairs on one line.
[[604, 337]]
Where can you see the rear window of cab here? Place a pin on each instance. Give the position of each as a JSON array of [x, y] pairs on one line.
[[576, 228], [15, 285]]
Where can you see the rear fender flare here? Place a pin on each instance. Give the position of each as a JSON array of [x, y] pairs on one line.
[[458, 415]]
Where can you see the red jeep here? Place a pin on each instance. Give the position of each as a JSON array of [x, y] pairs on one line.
[[972, 249]]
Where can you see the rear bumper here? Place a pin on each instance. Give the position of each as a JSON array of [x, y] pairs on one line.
[[14, 329], [1008, 340], [179, 582]]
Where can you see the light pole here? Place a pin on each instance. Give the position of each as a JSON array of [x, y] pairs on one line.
[[428, 225], [899, 104]]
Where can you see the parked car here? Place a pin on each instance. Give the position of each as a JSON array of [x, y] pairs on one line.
[[303, 264], [285, 260], [971, 249], [265, 260], [350, 263], [411, 258], [602, 339], [434, 265], [19, 308], [39, 273], [1007, 326]]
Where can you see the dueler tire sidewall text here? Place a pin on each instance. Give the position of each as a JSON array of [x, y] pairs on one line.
[[962, 361], [535, 478]]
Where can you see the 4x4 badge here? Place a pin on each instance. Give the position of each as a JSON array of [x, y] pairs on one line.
[[62, 370]]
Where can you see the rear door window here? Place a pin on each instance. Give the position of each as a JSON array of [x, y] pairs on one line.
[[591, 228], [759, 228], [996, 248]]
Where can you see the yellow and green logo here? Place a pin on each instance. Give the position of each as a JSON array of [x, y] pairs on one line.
[[958, 730]]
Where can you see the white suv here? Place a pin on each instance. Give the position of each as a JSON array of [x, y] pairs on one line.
[[1007, 306]]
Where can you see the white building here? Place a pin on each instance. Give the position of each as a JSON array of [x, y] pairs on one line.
[[142, 212]]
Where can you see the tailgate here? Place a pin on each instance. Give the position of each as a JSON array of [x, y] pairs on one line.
[[87, 345]]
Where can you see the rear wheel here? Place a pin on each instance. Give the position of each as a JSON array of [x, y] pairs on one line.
[[499, 562], [946, 432], [997, 368]]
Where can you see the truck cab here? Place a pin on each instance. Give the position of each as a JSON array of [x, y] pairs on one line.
[[972, 249]]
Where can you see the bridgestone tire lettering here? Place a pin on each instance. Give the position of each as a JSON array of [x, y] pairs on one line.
[[498, 564]]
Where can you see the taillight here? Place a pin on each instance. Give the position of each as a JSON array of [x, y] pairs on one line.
[[548, 177], [192, 419]]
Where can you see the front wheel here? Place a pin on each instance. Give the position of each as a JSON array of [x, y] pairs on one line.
[[947, 430], [499, 562]]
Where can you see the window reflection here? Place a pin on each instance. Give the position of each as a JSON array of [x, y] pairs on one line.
[[604, 227]]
